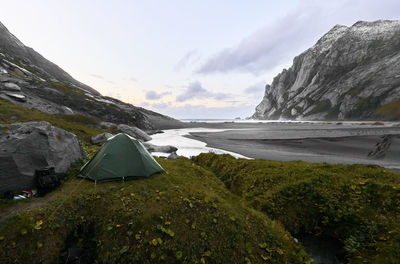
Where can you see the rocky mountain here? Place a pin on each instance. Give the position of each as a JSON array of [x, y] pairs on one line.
[[28, 79], [351, 73]]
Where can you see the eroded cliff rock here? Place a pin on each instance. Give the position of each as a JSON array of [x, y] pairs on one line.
[[351, 73]]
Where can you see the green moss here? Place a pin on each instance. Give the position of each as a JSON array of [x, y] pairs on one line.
[[356, 204], [321, 106], [366, 108], [355, 91], [298, 109], [389, 111], [17, 74], [67, 89], [84, 127], [286, 95], [185, 215]]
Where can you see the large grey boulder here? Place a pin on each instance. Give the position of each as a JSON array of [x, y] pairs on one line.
[[27, 146], [163, 149], [173, 155], [17, 96], [100, 138], [351, 73], [107, 124], [134, 132], [11, 87]]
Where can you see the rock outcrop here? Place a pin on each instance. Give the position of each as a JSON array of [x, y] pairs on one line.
[[100, 138], [381, 148], [27, 146], [351, 73], [163, 149], [134, 132], [173, 155]]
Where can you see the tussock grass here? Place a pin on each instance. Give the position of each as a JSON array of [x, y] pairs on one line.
[[357, 204], [183, 216]]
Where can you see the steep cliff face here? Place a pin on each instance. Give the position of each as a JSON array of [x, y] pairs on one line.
[[13, 46], [28, 79], [351, 73]]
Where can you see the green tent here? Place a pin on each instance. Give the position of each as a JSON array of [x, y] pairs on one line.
[[121, 157]]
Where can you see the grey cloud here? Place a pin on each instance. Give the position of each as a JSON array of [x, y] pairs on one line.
[[96, 76], [153, 95], [190, 57], [280, 41], [264, 49], [102, 78], [161, 105], [195, 90], [189, 111]]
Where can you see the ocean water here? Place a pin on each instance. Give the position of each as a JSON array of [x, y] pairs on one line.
[[282, 121], [187, 147]]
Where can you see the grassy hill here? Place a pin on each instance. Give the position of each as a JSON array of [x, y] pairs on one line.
[[359, 205], [183, 216], [211, 209]]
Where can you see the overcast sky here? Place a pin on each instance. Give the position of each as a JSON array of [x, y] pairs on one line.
[[186, 59]]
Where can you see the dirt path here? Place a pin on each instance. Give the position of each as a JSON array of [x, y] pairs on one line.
[[9, 208]]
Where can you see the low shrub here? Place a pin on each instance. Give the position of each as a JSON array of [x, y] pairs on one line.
[[357, 204]]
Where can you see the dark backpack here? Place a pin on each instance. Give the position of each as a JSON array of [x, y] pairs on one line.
[[46, 179]]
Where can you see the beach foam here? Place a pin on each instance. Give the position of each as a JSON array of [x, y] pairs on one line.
[[187, 147]]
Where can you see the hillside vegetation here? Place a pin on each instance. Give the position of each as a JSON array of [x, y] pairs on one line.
[[183, 216], [83, 126], [359, 205], [211, 209]]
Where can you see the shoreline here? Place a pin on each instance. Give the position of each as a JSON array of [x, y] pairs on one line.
[[315, 143]]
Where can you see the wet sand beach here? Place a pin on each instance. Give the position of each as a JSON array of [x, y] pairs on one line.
[[346, 143]]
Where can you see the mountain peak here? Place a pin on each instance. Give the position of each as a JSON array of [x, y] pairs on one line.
[[30, 80], [344, 76], [14, 48], [375, 28], [325, 42]]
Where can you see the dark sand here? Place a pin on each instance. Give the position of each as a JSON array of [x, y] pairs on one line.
[[311, 142]]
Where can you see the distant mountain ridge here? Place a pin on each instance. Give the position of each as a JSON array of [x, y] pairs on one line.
[[12, 45], [29, 79], [351, 73]]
